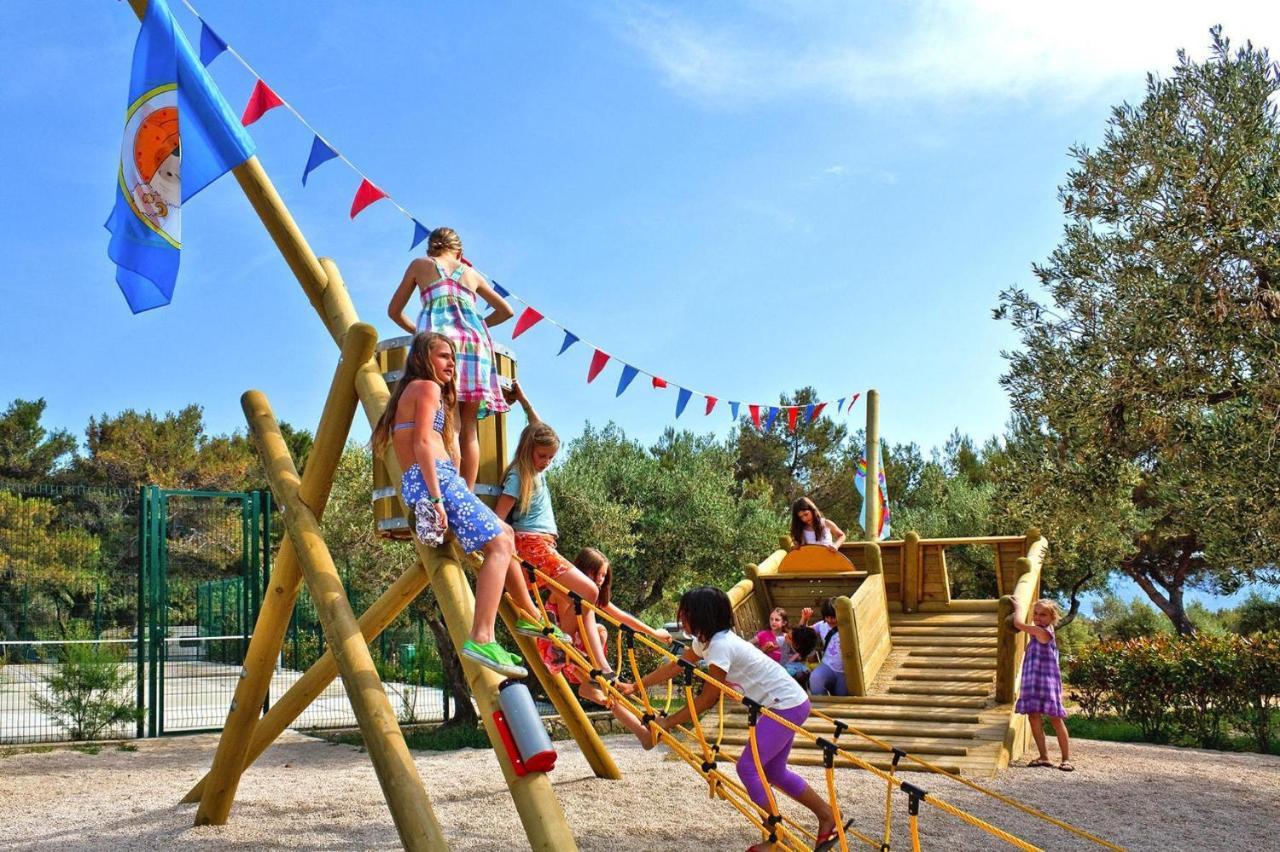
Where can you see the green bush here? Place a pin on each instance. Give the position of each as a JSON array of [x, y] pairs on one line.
[[90, 692], [1191, 689]]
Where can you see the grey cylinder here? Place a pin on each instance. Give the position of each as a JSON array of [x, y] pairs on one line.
[[525, 724]]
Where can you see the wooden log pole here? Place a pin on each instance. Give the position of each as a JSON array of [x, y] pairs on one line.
[[219, 792], [406, 797], [872, 503], [306, 689], [871, 554], [850, 645], [910, 572], [1011, 641]]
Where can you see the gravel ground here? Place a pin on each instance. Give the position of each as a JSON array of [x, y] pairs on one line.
[[308, 794]]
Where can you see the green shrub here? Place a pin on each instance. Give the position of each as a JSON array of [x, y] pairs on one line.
[[90, 692], [1258, 615]]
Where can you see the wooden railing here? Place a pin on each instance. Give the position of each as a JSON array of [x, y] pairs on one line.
[[915, 569], [863, 618]]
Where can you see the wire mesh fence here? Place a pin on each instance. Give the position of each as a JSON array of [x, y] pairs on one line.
[[137, 607]]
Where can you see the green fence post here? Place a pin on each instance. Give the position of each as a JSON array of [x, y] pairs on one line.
[[140, 623]]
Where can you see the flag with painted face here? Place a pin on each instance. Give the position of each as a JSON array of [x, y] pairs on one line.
[[860, 482], [179, 136]]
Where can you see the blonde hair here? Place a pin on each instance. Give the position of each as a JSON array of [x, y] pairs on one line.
[[786, 619], [534, 435], [1050, 605], [418, 367], [443, 240]]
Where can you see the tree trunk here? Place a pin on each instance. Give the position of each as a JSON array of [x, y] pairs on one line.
[[1169, 601], [651, 597], [1075, 600], [464, 712]]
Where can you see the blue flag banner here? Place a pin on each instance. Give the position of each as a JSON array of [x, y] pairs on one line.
[[504, 293], [179, 136], [211, 46], [733, 411], [840, 405], [569, 339], [808, 412], [420, 233], [682, 399], [628, 373], [768, 423], [320, 154]]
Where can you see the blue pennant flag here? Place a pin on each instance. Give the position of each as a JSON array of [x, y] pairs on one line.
[[733, 410], [504, 293], [808, 413], [420, 233], [768, 423], [840, 405], [211, 46], [569, 339], [179, 136], [321, 153], [628, 373], [682, 400]]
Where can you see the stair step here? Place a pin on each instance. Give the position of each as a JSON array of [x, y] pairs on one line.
[[975, 642], [867, 713], [960, 605], [948, 652], [983, 663], [814, 758], [880, 729], [973, 619], [935, 701], [939, 689], [965, 675], [942, 630]]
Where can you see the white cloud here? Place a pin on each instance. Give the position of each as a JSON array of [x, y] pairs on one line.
[[935, 50]]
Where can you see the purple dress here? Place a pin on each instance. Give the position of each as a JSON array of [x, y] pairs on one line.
[[1041, 679]]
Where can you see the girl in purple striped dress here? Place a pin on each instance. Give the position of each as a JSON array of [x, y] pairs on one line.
[[1041, 692], [448, 288]]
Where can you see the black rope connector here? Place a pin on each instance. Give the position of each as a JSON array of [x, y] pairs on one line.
[[531, 570], [898, 754], [771, 820], [753, 711], [595, 673], [828, 752], [577, 602], [628, 636], [688, 671], [840, 727], [914, 797], [715, 747], [884, 847], [708, 765], [647, 718]]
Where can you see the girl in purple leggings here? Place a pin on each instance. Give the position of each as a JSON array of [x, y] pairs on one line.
[[705, 614]]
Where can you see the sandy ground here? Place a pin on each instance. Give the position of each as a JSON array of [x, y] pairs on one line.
[[309, 794]]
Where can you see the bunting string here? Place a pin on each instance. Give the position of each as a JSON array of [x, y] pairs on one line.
[[263, 99]]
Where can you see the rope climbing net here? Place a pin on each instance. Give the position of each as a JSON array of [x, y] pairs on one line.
[[691, 745]]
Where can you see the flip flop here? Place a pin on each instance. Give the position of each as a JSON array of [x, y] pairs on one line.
[[826, 842], [1066, 766], [1039, 762]]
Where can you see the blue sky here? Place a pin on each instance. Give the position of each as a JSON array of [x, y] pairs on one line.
[[743, 198]]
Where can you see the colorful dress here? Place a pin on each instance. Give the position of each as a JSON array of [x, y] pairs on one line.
[[449, 308], [1041, 679]]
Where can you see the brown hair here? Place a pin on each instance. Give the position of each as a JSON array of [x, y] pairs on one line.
[[798, 527], [443, 240], [536, 434], [589, 561], [417, 367], [1050, 605], [786, 619]]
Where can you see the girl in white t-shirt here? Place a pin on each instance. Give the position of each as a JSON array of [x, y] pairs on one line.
[[809, 527], [706, 615]]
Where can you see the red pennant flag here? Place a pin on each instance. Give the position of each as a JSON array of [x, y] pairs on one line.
[[792, 413], [527, 320], [260, 100], [598, 361], [366, 194], [711, 403], [755, 414], [817, 409], [848, 408], [659, 383]]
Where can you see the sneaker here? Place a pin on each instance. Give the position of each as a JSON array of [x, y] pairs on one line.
[[538, 630], [493, 656]]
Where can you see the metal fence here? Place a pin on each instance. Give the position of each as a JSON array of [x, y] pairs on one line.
[[82, 569]]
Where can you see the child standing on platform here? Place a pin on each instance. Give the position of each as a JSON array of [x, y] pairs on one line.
[[809, 527], [448, 288], [705, 614], [1041, 693], [419, 422]]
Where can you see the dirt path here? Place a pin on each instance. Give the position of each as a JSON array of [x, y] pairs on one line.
[[308, 794]]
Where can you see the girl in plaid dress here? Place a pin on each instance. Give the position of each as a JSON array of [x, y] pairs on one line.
[[1041, 693], [448, 288]]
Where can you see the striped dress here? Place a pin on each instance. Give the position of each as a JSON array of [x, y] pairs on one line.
[[449, 307], [1041, 690]]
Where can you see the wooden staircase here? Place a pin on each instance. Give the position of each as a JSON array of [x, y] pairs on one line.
[[934, 698]]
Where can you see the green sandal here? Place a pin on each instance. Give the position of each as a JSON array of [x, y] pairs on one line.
[[493, 656], [537, 630]]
